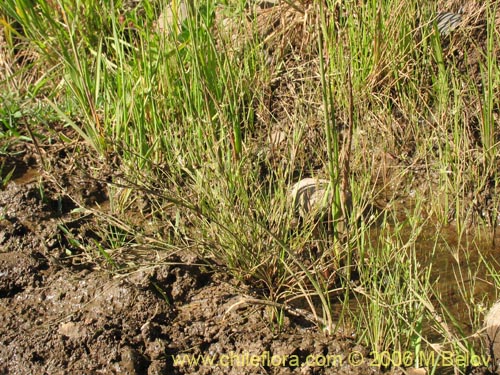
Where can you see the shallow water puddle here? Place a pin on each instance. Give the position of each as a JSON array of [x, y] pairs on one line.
[[22, 173], [26, 176], [458, 266], [461, 273]]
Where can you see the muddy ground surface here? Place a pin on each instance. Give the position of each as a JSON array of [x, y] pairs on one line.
[[61, 314]]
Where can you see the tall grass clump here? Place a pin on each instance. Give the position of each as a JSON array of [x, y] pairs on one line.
[[403, 79], [55, 33], [176, 108], [468, 158], [394, 288]]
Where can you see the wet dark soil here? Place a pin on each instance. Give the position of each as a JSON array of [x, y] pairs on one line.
[[63, 315]]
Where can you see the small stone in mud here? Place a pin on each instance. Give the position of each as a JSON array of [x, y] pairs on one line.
[[72, 330], [310, 197]]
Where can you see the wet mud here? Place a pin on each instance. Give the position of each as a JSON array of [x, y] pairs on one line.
[[62, 315]]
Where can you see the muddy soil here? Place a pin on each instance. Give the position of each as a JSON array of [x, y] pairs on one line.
[[63, 315]]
